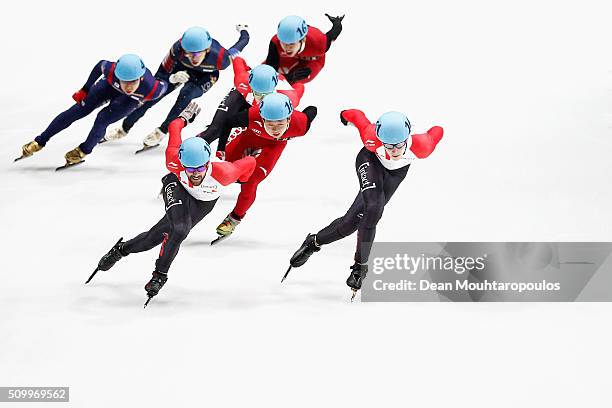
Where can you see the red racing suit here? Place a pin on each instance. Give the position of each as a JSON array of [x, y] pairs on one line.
[[255, 141]]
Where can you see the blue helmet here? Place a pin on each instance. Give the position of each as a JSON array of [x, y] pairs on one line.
[[393, 128], [275, 106], [263, 79], [194, 152], [129, 67], [292, 29], [196, 39]]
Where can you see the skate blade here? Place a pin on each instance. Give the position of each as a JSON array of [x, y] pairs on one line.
[[67, 165], [286, 273], [103, 140], [145, 148], [91, 276], [219, 239], [20, 158], [354, 293], [147, 302]]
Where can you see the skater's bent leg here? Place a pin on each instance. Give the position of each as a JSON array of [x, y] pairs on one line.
[[149, 239], [248, 193], [178, 205], [96, 97], [374, 205], [63, 121], [129, 122], [117, 109], [344, 226], [371, 176], [231, 104]]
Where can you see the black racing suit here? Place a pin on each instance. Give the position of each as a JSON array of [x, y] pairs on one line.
[[377, 184], [183, 212]]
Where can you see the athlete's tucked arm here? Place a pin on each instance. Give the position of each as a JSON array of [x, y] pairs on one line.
[[240, 119], [169, 62], [273, 59], [227, 173], [96, 72], [162, 87], [335, 31], [311, 113]]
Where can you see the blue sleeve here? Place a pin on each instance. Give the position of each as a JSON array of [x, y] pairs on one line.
[[242, 41], [240, 44], [161, 89], [96, 72]]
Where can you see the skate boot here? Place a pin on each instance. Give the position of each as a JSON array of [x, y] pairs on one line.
[[308, 248], [109, 259], [112, 256], [75, 156], [228, 225], [155, 284], [355, 279], [29, 149], [299, 258], [153, 138], [115, 134]]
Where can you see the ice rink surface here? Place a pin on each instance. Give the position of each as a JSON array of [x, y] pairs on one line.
[[524, 93]]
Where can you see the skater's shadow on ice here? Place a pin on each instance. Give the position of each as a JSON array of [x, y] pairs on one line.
[[127, 296], [229, 242], [51, 169]]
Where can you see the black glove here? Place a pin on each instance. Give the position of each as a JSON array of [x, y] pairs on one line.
[[344, 121], [298, 74], [334, 20]]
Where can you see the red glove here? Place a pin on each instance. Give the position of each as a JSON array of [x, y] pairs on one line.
[[79, 95], [220, 155]]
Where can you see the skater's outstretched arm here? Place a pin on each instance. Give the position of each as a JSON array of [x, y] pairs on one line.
[[187, 116], [174, 142], [227, 173], [424, 144], [310, 112], [240, 71], [228, 54], [366, 129], [335, 31]]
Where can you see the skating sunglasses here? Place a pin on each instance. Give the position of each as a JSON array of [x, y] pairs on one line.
[[396, 146], [197, 53], [261, 95], [201, 169]]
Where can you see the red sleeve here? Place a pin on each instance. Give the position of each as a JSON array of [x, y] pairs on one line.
[[298, 126], [366, 128], [241, 75], [299, 92], [174, 142], [227, 173], [424, 144], [316, 43]]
